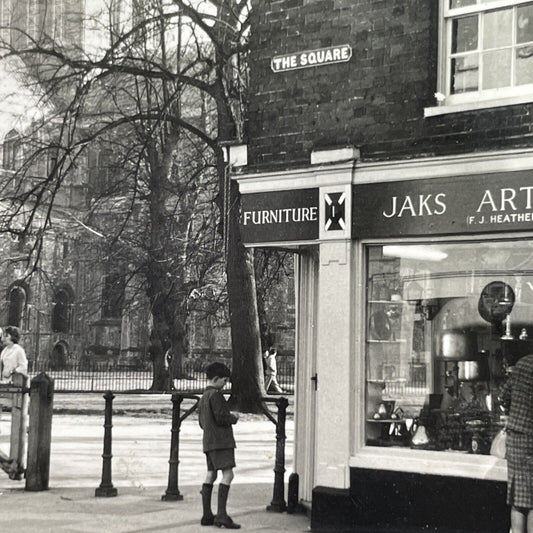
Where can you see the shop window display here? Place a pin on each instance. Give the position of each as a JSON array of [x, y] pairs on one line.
[[444, 323]]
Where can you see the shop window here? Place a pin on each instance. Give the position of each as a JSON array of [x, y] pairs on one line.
[[444, 323], [486, 52]]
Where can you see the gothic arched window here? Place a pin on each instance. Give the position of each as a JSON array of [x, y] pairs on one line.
[[113, 295], [17, 304], [11, 151], [62, 311]]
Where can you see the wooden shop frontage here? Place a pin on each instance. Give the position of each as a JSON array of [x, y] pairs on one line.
[[415, 296]]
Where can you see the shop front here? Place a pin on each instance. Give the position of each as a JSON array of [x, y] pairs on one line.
[[408, 324]]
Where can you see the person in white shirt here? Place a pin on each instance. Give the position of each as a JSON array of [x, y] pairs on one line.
[[13, 357], [271, 372]]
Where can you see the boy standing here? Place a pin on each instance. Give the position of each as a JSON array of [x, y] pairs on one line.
[[216, 420]]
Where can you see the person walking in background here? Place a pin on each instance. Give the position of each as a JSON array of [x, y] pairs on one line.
[[216, 420], [13, 357], [517, 400], [271, 371]]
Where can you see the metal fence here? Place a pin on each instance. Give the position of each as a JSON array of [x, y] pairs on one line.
[[100, 377]]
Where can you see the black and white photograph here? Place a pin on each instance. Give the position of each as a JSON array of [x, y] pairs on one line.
[[266, 265]]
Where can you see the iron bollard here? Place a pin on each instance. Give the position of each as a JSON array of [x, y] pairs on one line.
[[172, 493], [40, 432], [292, 494], [106, 486], [278, 499]]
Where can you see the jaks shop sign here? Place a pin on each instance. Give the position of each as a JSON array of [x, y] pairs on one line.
[[312, 58], [444, 206]]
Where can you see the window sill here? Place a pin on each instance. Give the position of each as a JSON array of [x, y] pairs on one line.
[[472, 106], [454, 464]]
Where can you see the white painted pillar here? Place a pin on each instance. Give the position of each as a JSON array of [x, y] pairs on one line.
[[334, 351]]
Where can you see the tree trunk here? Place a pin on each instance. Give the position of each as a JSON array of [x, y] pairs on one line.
[[168, 324], [247, 367], [247, 371], [158, 347]]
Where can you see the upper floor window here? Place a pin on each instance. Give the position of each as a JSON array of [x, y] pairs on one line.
[[486, 53]]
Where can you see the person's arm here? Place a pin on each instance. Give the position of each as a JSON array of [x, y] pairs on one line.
[[22, 362], [221, 413]]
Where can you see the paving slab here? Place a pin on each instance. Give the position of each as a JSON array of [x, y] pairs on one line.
[[141, 448]]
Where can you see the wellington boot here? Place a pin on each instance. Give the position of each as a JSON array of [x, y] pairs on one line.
[[208, 518], [222, 519]]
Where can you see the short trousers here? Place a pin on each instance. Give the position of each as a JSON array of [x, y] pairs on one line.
[[220, 459]]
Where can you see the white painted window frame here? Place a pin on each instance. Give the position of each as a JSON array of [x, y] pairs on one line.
[[443, 463], [453, 103]]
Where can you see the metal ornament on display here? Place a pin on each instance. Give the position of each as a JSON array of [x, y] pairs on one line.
[[420, 437], [508, 336]]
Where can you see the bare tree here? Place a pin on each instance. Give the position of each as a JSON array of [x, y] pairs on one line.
[[159, 54]]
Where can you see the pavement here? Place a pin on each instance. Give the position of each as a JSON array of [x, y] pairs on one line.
[[141, 448]]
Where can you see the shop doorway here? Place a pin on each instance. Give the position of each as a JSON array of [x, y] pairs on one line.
[[306, 378]]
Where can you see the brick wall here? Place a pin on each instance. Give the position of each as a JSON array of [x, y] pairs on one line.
[[376, 101]]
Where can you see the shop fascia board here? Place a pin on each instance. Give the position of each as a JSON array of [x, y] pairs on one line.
[[397, 170], [445, 166], [304, 178], [438, 463]]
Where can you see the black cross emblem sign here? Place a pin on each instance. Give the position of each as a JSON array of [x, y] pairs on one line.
[[335, 209]]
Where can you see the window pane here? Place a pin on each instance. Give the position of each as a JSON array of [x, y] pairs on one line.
[[464, 34], [524, 22], [443, 323], [496, 69], [461, 3], [497, 28], [524, 65], [465, 74]]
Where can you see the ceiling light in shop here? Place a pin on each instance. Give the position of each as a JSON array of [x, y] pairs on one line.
[[424, 253]]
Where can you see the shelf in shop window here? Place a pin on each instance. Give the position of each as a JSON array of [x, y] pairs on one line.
[[389, 341], [388, 302], [387, 420]]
